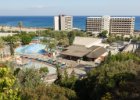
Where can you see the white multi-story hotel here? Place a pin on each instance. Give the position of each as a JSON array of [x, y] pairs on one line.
[[114, 25], [63, 23]]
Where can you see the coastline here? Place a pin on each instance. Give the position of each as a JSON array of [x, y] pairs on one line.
[[48, 21], [26, 29]]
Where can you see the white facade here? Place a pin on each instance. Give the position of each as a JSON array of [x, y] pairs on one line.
[[56, 23], [63, 23], [106, 23]]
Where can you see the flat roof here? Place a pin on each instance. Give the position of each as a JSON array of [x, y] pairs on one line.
[[97, 52], [86, 41], [76, 51], [81, 51], [95, 17], [111, 17], [122, 17]]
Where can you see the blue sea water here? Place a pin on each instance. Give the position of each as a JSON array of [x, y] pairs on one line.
[[47, 21]]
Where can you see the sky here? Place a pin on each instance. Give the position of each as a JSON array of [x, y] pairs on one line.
[[69, 7]]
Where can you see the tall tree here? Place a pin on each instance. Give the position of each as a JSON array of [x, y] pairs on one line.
[[20, 25], [12, 41], [71, 37], [1, 47], [50, 43], [103, 34]]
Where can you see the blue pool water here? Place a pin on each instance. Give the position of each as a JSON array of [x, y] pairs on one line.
[[35, 49], [31, 49]]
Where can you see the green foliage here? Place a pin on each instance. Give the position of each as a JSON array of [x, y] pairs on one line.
[[67, 81], [2, 30], [111, 39], [44, 70], [33, 88], [114, 38], [12, 42], [50, 43], [1, 43], [11, 48], [16, 71], [64, 38], [107, 96], [59, 75], [110, 77], [103, 34], [7, 81], [26, 39], [20, 24], [122, 57], [52, 92], [63, 42], [71, 37], [29, 78]]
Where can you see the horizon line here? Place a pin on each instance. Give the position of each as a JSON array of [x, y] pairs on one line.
[[66, 14]]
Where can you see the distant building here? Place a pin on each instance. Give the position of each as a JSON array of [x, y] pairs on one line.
[[137, 33], [63, 23], [96, 25], [122, 25], [114, 25]]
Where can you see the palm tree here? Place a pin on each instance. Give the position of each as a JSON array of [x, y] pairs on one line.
[[46, 41], [12, 42], [2, 29], [1, 47], [50, 44], [20, 25]]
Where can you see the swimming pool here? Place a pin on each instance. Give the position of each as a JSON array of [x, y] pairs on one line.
[[31, 49]]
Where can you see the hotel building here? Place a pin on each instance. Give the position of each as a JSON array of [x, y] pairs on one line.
[[122, 25], [114, 25], [96, 25], [63, 23]]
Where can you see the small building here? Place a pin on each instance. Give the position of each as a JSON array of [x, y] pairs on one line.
[[85, 48], [76, 52]]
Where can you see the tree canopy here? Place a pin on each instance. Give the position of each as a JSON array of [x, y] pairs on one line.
[[103, 34], [7, 81]]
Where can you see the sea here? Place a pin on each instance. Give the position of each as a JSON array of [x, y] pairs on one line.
[[47, 21]]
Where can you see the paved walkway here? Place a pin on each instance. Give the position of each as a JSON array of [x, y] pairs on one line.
[[131, 48]]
